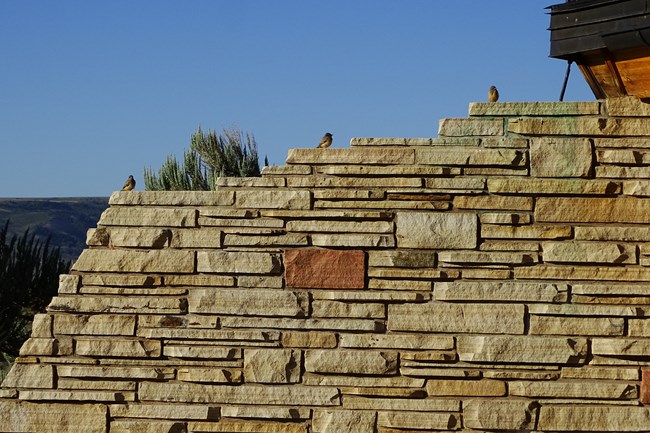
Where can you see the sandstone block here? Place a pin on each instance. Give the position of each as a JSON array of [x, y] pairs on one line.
[[30, 376], [209, 375], [351, 362], [96, 324], [343, 421], [552, 325], [522, 349], [493, 202], [487, 258], [605, 373], [585, 310], [572, 389], [437, 230], [148, 426], [237, 262], [506, 291], [644, 396], [588, 252], [173, 392], [457, 318], [200, 280], [241, 426], [69, 283], [205, 237], [263, 302], [312, 340], [272, 365], [323, 308], [116, 372], [162, 411], [46, 347], [310, 379], [353, 240], [627, 106], [117, 304], [142, 216], [142, 237], [372, 156], [470, 157], [397, 341], [288, 413], [273, 199], [595, 273], [318, 181], [593, 418], [163, 261], [340, 226], [535, 108], [284, 170], [493, 414], [20, 416], [118, 348], [592, 210], [254, 182], [525, 232], [323, 268], [456, 184], [289, 239], [42, 326], [200, 352], [461, 127], [620, 346], [511, 185], [560, 157], [120, 280], [581, 126], [171, 198], [474, 388], [419, 420], [401, 404], [356, 325]]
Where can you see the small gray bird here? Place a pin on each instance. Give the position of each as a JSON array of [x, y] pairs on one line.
[[493, 94], [326, 141], [129, 184]]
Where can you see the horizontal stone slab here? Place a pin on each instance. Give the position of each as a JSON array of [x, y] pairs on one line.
[[572, 389], [310, 379], [200, 351], [368, 172], [174, 392], [131, 348], [455, 184], [284, 170], [273, 199], [372, 296], [238, 262], [200, 280], [589, 252], [77, 395], [20, 416], [437, 230], [158, 261], [586, 310], [29, 376], [457, 318], [487, 257], [493, 202], [325, 308], [351, 362], [391, 141], [162, 411], [142, 216], [343, 421], [272, 365], [593, 418], [229, 426], [397, 341], [354, 182], [388, 204], [418, 420], [309, 339], [581, 126], [586, 273], [261, 302], [471, 157], [460, 127], [289, 413], [229, 335], [402, 258], [289, 239], [254, 182], [592, 210], [500, 291], [353, 240], [605, 373], [340, 226], [522, 349], [466, 388], [376, 156], [551, 325], [609, 233], [367, 325], [116, 372], [499, 414], [620, 346], [560, 157], [325, 268], [117, 304], [171, 198], [401, 404], [204, 237], [95, 324], [525, 232], [534, 109], [510, 185]]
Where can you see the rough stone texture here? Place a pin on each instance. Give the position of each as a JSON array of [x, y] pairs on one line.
[[495, 278], [436, 230], [325, 269]]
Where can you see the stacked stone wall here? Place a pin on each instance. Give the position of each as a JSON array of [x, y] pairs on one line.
[[495, 278]]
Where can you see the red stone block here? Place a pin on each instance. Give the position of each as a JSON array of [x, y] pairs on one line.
[[325, 269], [644, 398]]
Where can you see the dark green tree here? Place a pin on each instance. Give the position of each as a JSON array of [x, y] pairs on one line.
[[29, 278], [211, 155]]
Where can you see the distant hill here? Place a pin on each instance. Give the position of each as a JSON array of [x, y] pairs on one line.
[[66, 220]]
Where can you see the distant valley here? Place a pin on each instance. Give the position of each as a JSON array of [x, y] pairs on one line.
[[65, 220]]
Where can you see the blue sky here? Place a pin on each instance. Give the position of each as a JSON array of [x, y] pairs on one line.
[[92, 91]]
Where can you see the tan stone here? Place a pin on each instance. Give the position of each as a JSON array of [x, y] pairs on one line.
[[169, 261], [592, 210], [121, 280], [572, 389], [560, 157], [199, 280], [419, 420], [551, 325], [293, 413], [46, 346], [104, 385], [519, 415], [367, 325], [504, 218], [436, 230], [162, 411], [509, 245], [613, 171], [310, 379], [351, 362], [401, 404], [347, 193], [372, 296], [340, 226], [493, 202], [82, 395], [20, 416], [325, 268], [209, 375], [464, 156], [453, 387], [625, 106], [638, 327], [402, 258], [142, 237], [173, 198], [239, 426], [30, 376], [205, 237], [263, 302], [230, 335], [378, 284], [237, 262], [594, 273], [510, 185], [620, 346], [390, 141], [118, 347], [368, 171], [534, 108], [322, 308], [289, 239], [455, 184], [148, 216], [200, 351], [588, 252], [621, 142], [460, 127], [525, 232], [397, 341], [272, 365], [284, 170], [117, 304], [255, 182], [96, 324], [69, 284], [622, 156], [372, 156], [148, 426], [239, 222], [352, 240], [593, 418], [273, 199], [586, 310], [605, 373], [174, 392], [319, 181], [500, 291], [42, 326], [260, 281], [489, 258], [457, 318], [576, 126], [522, 349], [313, 340], [116, 372], [343, 421]]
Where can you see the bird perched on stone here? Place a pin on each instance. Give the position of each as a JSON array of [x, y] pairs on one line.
[[493, 94], [326, 141], [129, 184]]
